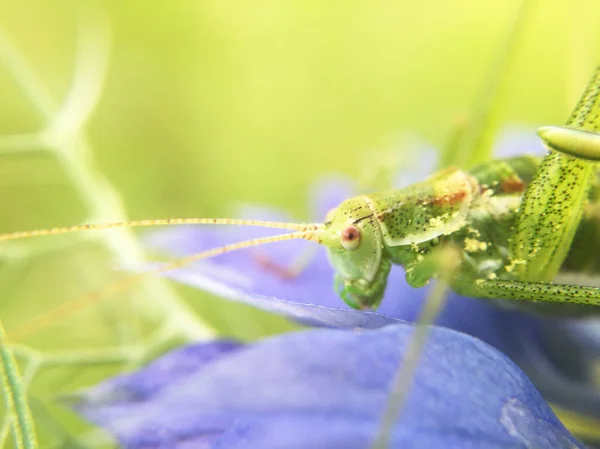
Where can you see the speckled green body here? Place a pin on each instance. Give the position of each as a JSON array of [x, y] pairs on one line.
[[486, 238], [473, 212]]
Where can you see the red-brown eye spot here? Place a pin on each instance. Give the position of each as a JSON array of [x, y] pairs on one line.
[[350, 238]]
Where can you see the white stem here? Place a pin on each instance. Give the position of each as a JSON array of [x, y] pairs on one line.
[[66, 139]]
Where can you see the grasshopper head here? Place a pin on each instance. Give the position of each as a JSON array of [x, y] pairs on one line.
[[354, 242]]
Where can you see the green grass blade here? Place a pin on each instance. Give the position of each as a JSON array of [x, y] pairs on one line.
[[15, 399], [471, 142], [586, 114], [404, 376]]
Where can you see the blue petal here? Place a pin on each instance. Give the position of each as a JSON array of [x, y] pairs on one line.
[[327, 388], [179, 364]]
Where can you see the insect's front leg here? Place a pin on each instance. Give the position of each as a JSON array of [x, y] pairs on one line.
[[362, 295], [528, 291]]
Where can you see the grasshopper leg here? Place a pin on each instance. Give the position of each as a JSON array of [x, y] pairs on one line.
[[574, 142], [529, 291]]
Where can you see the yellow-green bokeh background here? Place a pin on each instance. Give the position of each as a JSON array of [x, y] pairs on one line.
[[209, 103]]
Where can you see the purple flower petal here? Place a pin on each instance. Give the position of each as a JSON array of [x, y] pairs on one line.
[[327, 388], [177, 366]]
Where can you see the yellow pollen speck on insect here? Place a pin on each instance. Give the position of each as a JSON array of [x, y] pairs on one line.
[[473, 245], [437, 222], [513, 264], [473, 231]]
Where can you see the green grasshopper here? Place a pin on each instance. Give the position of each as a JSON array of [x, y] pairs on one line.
[[511, 223]]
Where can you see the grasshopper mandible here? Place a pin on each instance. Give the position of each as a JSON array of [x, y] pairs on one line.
[[512, 223]]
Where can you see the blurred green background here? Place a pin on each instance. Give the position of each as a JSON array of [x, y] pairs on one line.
[[206, 104]]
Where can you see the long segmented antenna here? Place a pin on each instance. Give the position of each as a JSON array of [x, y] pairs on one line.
[[47, 319], [160, 222]]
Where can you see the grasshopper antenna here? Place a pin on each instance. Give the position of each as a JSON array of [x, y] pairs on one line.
[[47, 319], [158, 222]]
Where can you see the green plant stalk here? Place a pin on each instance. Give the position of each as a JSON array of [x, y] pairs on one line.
[[471, 143], [104, 205], [15, 400], [66, 139]]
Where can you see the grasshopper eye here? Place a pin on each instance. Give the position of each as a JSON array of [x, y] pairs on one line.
[[350, 238]]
